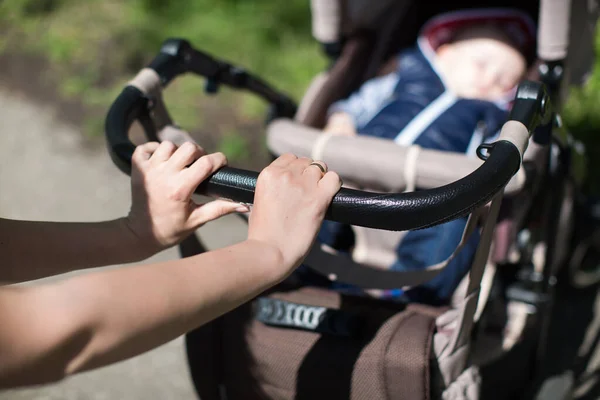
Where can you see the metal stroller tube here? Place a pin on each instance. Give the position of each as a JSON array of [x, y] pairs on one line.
[[553, 32], [401, 211]]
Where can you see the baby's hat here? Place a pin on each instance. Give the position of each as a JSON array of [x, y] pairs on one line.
[[519, 27]]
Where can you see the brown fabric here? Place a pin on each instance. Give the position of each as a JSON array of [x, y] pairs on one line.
[[387, 34], [368, 47], [388, 67], [391, 360], [310, 95], [204, 348], [343, 78]]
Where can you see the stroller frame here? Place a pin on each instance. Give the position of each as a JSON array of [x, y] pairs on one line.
[[533, 109]]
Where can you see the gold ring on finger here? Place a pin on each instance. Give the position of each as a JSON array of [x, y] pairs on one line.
[[320, 166]]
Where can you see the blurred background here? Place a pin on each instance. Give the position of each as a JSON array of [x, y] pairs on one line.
[[62, 62], [79, 54]]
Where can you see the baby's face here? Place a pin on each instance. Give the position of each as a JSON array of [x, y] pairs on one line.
[[480, 68]]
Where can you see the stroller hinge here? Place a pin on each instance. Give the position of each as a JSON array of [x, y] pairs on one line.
[[531, 106]]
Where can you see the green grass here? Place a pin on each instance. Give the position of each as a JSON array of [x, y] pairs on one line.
[[234, 145], [97, 45]]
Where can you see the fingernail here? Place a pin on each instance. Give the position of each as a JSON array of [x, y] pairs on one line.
[[242, 208]]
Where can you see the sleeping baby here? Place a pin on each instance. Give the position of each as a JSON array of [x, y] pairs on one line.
[[451, 92]]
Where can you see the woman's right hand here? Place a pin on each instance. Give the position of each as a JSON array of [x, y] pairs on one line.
[[290, 202]]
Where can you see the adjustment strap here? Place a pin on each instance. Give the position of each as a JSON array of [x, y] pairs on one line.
[[281, 313]]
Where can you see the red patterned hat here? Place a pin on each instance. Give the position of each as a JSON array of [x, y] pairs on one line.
[[517, 25]]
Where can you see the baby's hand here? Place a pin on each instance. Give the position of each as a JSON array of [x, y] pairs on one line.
[[163, 179], [340, 124]]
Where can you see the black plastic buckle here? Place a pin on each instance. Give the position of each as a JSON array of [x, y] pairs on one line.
[[285, 314]]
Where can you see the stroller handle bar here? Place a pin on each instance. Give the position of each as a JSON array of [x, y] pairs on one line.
[[399, 211]]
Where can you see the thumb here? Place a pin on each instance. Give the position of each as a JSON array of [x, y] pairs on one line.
[[212, 210]]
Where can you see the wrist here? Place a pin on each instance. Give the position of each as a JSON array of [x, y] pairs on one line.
[[141, 246], [271, 258]]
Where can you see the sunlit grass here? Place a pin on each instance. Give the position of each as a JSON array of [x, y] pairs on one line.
[[95, 46]]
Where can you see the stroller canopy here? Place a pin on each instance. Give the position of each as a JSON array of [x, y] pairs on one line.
[[558, 22]]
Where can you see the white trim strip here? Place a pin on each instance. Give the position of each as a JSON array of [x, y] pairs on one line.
[[476, 140], [319, 145], [410, 168], [409, 134]]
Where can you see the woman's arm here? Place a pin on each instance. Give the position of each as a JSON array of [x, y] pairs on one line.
[[53, 330], [161, 215], [31, 249]]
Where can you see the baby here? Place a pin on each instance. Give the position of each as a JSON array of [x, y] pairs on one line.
[[466, 65], [451, 92]]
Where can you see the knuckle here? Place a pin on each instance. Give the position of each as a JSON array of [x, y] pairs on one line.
[[189, 147], [286, 177], [168, 145], [222, 209], [139, 151], [334, 176], [209, 161], [177, 193], [204, 164], [215, 160], [290, 156], [332, 179], [268, 174]]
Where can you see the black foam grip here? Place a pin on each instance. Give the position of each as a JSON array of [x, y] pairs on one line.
[[399, 211]]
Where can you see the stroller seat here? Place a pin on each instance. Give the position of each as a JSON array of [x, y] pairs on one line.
[[422, 348], [411, 351]]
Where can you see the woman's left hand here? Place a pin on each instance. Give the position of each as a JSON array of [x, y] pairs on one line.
[[163, 179]]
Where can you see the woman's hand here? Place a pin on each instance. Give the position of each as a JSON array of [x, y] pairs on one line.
[[289, 206], [163, 179]]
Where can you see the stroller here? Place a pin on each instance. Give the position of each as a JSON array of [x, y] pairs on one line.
[[523, 194]]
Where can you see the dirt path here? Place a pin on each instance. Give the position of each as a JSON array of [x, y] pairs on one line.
[[48, 172]]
